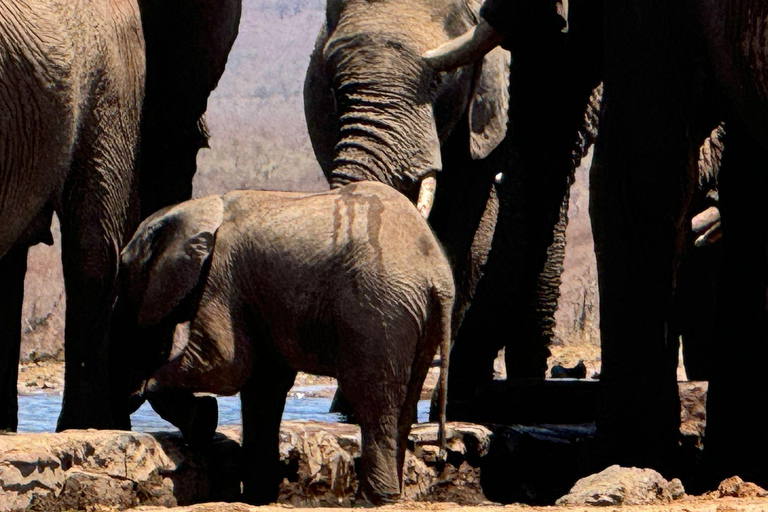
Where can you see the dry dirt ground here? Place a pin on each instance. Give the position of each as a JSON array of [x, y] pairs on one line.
[[684, 505]]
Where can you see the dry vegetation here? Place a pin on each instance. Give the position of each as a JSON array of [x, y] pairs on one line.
[[259, 140]]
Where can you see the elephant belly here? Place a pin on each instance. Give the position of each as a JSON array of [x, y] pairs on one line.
[[310, 347]]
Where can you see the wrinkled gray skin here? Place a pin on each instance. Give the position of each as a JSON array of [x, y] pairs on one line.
[[119, 143], [376, 111], [349, 283], [71, 90]]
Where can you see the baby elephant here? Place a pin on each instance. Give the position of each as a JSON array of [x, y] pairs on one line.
[[349, 283]]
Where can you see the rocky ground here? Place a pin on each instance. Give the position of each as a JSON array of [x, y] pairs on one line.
[[684, 505]]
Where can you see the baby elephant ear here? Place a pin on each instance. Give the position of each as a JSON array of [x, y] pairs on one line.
[[488, 112], [164, 260]]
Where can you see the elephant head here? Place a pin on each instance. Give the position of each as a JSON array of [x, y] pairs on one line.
[[164, 261], [376, 110], [160, 271]]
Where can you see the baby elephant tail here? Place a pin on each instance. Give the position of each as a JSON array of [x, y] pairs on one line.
[[446, 302]]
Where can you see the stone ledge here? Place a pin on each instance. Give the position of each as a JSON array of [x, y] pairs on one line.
[[120, 470]]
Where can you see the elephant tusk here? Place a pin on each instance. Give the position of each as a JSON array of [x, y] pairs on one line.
[[709, 223], [705, 219], [466, 49], [712, 235], [427, 194]]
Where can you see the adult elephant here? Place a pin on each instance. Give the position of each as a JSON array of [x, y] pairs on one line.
[[376, 111], [668, 80], [76, 125], [187, 46]]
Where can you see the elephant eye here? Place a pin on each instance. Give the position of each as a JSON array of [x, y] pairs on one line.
[[437, 81]]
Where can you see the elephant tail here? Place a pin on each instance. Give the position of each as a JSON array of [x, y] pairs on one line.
[[446, 315]]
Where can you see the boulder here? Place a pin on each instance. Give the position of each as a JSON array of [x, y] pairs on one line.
[[616, 486], [735, 487], [78, 469]]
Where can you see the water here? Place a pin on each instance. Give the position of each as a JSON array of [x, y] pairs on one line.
[[38, 413]]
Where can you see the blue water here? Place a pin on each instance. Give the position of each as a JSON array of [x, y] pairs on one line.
[[38, 413]]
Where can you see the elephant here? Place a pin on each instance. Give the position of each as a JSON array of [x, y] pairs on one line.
[[72, 89], [349, 283], [101, 124], [497, 163], [188, 43], [668, 81]]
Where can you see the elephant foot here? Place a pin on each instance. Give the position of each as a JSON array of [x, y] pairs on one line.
[[342, 405], [370, 498], [196, 417], [75, 418], [205, 419]]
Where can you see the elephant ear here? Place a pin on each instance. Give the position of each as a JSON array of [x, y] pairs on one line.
[[488, 111], [164, 260]]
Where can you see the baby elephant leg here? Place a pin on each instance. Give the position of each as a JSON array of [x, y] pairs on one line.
[[195, 416], [263, 400], [375, 370]]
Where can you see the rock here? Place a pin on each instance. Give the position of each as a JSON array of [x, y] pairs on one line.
[[616, 486], [320, 464], [735, 487], [78, 469], [693, 404], [89, 470]]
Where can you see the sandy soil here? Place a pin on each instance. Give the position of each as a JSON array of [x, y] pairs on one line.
[[688, 504], [47, 377]]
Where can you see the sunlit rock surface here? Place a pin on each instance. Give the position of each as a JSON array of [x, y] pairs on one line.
[[85, 470], [617, 486]]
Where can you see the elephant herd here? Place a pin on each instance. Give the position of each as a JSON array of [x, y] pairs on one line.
[[101, 109]]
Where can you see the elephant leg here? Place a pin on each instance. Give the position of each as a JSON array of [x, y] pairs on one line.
[[696, 296], [466, 235], [188, 42], [13, 267], [738, 395], [90, 259], [376, 377], [263, 401], [641, 182], [381, 412], [196, 417], [341, 405], [98, 211]]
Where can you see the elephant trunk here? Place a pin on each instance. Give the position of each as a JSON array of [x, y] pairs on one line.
[[385, 138], [387, 129]]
